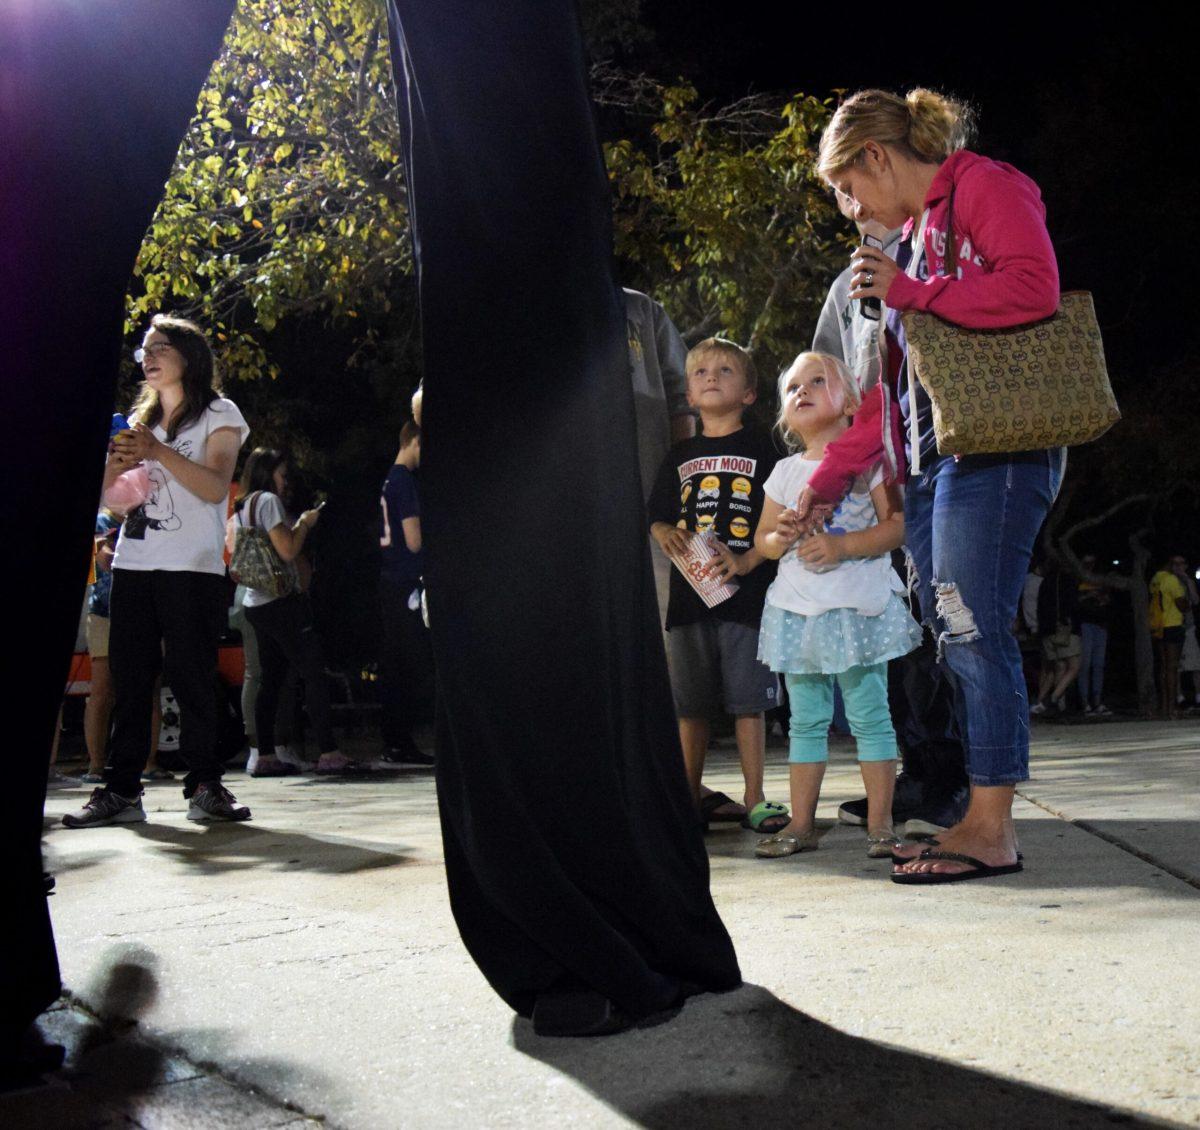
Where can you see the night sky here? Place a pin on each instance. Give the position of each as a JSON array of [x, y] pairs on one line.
[[1099, 108]]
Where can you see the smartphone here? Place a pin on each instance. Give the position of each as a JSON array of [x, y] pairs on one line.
[[871, 307]]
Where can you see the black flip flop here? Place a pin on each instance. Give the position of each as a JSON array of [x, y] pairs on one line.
[[935, 878], [709, 805], [930, 841]]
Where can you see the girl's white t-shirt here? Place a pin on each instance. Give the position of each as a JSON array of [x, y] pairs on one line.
[[173, 529], [864, 584]]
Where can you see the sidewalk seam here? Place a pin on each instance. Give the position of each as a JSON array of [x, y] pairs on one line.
[[133, 1031], [1116, 841]]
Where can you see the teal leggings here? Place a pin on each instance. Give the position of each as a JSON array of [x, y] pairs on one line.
[[864, 691]]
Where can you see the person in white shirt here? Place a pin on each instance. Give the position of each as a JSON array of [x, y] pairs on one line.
[[169, 592]]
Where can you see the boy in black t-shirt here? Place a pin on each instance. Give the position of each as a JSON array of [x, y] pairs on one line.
[[715, 480]]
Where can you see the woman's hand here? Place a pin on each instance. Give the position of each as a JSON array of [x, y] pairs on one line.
[[309, 518], [821, 550], [873, 273], [137, 444]]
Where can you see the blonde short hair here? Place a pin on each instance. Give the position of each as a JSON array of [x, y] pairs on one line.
[[923, 124], [723, 347], [835, 370]]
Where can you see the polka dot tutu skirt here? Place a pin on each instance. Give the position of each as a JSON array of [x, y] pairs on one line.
[[835, 641]]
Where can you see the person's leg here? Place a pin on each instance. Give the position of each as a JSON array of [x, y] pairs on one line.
[[694, 736], [296, 632], [808, 747], [272, 664], [750, 731], [251, 676], [1068, 674], [1171, 650], [191, 608], [1088, 696], [864, 692], [391, 683], [987, 514], [135, 659], [155, 725], [695, 681], [749, 690], [96, 715], [415, 658]]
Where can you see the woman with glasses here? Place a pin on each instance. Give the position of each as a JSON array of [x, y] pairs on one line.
[[169, 592]]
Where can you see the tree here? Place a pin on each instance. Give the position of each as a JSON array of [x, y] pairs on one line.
[[286, 198], [720, 213]]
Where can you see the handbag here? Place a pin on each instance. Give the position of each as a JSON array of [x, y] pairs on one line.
[[254, 561], [1043, 384]]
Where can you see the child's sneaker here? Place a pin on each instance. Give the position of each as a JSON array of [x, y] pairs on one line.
[[213, 801], [104, 807]]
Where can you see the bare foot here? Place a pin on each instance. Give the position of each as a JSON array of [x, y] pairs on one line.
[[992, 846]]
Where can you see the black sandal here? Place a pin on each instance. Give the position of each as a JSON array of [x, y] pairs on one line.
[[980, 870]]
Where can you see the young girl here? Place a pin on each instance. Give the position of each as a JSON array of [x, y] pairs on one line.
[[833, 611]]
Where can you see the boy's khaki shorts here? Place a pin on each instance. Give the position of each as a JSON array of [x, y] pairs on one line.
[[715, 667]]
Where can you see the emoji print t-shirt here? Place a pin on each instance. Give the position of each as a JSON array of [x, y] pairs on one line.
[[717, 483]]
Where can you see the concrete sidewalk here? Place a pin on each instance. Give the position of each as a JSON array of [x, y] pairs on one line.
[[306, 966]]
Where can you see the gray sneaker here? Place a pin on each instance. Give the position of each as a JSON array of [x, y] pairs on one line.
[[103, 808], [212, 801]]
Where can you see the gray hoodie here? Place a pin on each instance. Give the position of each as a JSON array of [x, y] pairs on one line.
[[657, 360], [844, 333]]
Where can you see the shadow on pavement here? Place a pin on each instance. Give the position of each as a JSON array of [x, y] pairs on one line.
[[218, 848], [112, 1078], [748, 1059], [1060, 857]]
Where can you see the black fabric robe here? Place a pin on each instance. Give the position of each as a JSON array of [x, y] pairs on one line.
[[573, 854], [94, 99]]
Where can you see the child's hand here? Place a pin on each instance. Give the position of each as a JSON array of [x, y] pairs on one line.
[[671, 539], [788, 528], [724, 566], [821, 550]]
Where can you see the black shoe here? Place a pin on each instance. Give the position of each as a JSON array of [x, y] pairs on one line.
[[938, 814], [577, 1012], [907, 800], [403, 757]]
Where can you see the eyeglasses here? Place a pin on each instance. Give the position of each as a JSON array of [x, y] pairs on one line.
[[159, 347]]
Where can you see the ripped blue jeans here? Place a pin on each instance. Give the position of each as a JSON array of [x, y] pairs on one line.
[[971, 525]]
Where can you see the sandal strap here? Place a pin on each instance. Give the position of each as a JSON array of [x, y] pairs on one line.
[[954, 857]]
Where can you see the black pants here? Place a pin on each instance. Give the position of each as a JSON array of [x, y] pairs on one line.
[[167, 622], [287, 636], [405, 664]]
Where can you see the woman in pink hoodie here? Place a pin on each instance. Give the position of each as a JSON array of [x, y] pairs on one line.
[[971, 520]]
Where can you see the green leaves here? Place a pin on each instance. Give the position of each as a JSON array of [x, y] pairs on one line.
[[286, 196], [721, 214]]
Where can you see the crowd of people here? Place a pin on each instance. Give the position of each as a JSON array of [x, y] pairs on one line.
[[162, 593], [834, 547]]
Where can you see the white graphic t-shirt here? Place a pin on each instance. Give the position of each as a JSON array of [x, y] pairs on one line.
[[174, 529], [864, 584]]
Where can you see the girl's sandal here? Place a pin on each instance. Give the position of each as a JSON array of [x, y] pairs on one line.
[[882, 845], [776, 847]]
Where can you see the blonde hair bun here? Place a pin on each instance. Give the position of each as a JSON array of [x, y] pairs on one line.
[[938, 125]]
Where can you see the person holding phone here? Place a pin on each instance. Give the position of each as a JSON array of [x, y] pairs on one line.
[[971, 521], [169, 593], [283, 626]]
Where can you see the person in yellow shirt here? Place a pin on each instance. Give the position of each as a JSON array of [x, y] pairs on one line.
[[1172, 593]]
